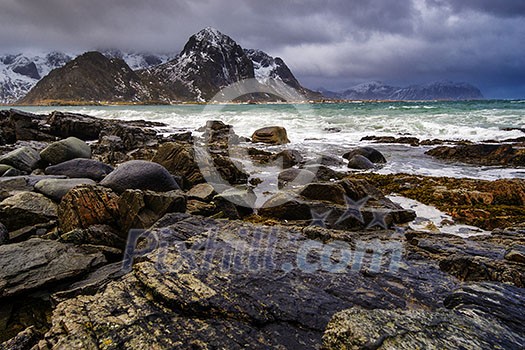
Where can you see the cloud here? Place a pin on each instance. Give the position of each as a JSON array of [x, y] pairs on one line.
[[334, 43]]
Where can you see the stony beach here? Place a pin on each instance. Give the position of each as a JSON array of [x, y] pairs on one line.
[[115, 235]]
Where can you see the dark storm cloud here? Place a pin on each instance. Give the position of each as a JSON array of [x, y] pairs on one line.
[[331, 43]]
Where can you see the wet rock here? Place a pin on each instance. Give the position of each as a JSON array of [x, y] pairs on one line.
[[131, 136], [294, 177], [25, 159], [4, 234], [99, 235], [57, 188], [203, 192], [324, 173], [64, 125], [20, 125], [481, 154], [360, 162], [179, 159], [140, 175], [371, 153], [64, 150], [141, 209], [332, 192], [275, 135], [84, 206], [26, 209], [412, 141], [288, 158], [235, 203], [218, 135], [81, 168], [328, 160], [37, 263]]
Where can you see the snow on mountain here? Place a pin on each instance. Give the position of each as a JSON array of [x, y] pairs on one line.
[[139, 60]]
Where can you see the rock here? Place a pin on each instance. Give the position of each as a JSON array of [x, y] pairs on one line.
[[84, 206], [141, 209], [236, 203], [197, 207], [204, 192], [12, 185], [37, 263], [20, 125], [516, 253], [131, 136], [481, 154], [4, 168], [25, 159], [324, 173], [331, 192], [57, 188], [36, 230], [64, 150], [288, 158], [140, 175], [81, 168], [412, 141], [286, 206], [417, 329], [26, 209], [99, 235], [12, 172], [64, 125], [179, 159], [328, 160], [294, 178], [275, 135], [360, 162], [371, 153], [22, 341], [4, 234]]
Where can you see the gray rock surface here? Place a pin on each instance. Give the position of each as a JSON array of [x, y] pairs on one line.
[[4, 234], [23, 158], [64, 150], [371, 153], [81, 168], [360, 162], [140, 175], [26, 209], [36, 263], [57, 188]]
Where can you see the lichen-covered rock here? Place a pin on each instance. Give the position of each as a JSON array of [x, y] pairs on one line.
[[140, 175], [36, 263], [57, 188], [84, 206], [275, 135], [64, 150], [24, 158], [23, 340], [81, 168], [26, 209]]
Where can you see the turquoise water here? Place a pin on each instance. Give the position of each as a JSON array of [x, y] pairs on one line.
[[335, 128]]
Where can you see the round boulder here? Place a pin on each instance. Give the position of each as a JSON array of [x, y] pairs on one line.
[[64, 150], [275, 135], [294, 177], [24, 158], [57, 188], [371, 153], [81, 168], [360, 162], [140, 175]]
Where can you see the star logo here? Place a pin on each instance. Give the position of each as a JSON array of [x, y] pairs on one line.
[[319, 219], [378, 219], [353, 209]]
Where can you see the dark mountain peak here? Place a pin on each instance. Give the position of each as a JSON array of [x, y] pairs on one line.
[[209, 39]]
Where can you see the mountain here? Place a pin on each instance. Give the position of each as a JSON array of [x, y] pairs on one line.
[[376, 90], [91, 77], [208, 62]]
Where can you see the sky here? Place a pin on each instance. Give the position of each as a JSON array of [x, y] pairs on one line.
[[333, 44]]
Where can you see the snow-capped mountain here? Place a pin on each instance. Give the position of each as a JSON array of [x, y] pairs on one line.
[[208, 62], [377, 90]]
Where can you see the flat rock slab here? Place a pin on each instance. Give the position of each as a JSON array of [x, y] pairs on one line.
[[26, 209], [37, 263]]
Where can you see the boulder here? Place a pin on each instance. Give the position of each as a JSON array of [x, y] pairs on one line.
[[141, 209], [81, 168], [140, 175], [24, 158], [288, 158], [64, 125], [57, 188], [360, 162], [20, 125], [64, 150], [203, 192], [371, 153], [37, 263], [4, 168], [179, 159], [286, 206], [331, 192], [327, 160], [294, 177], [26, 209], [275, 135], [236, 203], [84, 206], [100, 235], [516, 253]]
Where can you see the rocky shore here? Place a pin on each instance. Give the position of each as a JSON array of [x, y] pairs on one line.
[[114, 235]]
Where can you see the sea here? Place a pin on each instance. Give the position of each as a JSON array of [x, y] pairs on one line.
[[335, 128]]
